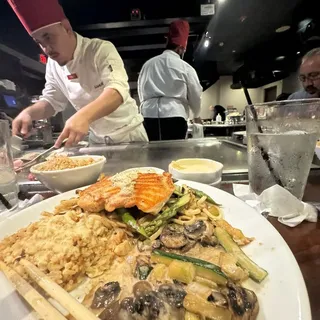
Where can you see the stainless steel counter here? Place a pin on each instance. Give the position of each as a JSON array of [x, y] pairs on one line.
[[160, 154]]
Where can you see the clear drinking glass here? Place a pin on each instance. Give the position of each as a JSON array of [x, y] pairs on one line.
[[281, 142], [8, 179]]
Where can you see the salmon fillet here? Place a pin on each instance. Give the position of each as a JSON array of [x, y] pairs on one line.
[[148, 191]]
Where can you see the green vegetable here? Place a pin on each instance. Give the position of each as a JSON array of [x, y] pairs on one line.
[[128, 219], [178, 191], [167, 214], [143, 271], [200, 194], [255, 272], [204, 269]]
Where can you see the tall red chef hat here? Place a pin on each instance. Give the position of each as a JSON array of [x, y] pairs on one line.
[[179, 33], [37, 14]]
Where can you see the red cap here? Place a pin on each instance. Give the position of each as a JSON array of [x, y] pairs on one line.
[[36, 14], [179, 33]]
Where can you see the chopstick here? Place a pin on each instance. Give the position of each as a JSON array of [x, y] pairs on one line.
[[31, 295], [76, 309]]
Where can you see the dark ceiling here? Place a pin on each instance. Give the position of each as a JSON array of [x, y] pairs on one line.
[[239, 39]]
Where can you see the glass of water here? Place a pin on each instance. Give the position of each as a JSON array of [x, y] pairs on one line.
[[281, 142], [8, 179]]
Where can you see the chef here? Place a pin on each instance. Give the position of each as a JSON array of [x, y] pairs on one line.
[[168, 87], [88, 73]]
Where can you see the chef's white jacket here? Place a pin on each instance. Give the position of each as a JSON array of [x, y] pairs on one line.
[[96, 65], [168, 87]]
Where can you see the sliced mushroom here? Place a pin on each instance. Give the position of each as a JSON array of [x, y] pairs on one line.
[[218, 299], [150, 306], [156, 244], [195, 230], [128, 305], [111, 312], [243, 303], [188, 246], [106, 295], [141, 288], [209, 241], [172, 294], [172, 237]]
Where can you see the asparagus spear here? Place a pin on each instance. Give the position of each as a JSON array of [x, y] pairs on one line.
[[161, 219], [178, 191], [200, 194], [128, 219]]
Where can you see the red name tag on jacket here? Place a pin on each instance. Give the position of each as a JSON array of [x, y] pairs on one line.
[[72, 76]]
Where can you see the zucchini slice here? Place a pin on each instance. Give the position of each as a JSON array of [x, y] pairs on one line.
[[256, 273], [204, 269]]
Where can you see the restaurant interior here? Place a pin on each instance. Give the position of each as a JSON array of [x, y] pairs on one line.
[[247, 56]]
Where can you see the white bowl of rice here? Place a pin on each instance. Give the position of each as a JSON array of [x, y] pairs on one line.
[[62, 173]]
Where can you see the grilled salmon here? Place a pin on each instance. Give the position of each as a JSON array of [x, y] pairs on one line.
[[148, 191]]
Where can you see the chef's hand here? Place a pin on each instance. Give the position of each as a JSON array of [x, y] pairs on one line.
[[22, 124], [197, 120], [74, 130]]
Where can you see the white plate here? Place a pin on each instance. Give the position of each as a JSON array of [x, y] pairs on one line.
[[282, 295]]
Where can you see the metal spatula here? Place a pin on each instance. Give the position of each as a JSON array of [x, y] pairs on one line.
[[41, 157]]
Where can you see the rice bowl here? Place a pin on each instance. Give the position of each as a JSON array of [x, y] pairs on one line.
[[71, 178]]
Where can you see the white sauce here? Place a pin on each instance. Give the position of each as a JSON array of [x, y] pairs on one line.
[[199, 166]]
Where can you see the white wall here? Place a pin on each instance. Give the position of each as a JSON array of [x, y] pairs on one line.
[[210, 97], [235, 98], [221, 93]]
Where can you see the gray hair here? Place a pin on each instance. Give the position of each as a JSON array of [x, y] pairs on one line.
[[312, 53]]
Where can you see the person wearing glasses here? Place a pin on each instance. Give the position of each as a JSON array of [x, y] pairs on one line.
[[309, 76]]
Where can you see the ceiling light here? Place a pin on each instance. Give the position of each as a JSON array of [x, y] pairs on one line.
[[243, 18], [221, 44], [298, 52], [206, 43], [304, 24], [280, 58], [221, 1], [234, 51], [276, 71], [283, 29]]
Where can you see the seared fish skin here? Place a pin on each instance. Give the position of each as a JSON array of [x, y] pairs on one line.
[[148, 191]]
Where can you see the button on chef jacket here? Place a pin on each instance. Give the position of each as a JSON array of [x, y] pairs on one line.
[[168, 87], [96, 66]]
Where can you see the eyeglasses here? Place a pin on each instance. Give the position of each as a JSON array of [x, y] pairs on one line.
[[311, 76]]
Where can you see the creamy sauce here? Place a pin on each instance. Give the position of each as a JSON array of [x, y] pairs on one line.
[[199, 166], [210, 254]]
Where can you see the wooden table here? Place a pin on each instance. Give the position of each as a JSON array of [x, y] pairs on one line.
[[304, 241]]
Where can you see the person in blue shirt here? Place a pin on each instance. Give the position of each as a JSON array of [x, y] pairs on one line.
[[309, 76]]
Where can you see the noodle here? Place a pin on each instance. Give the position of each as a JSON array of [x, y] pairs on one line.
[[197, 209], [156, 234]]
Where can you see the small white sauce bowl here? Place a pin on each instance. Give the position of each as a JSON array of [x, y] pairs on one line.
[[213, 174]]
